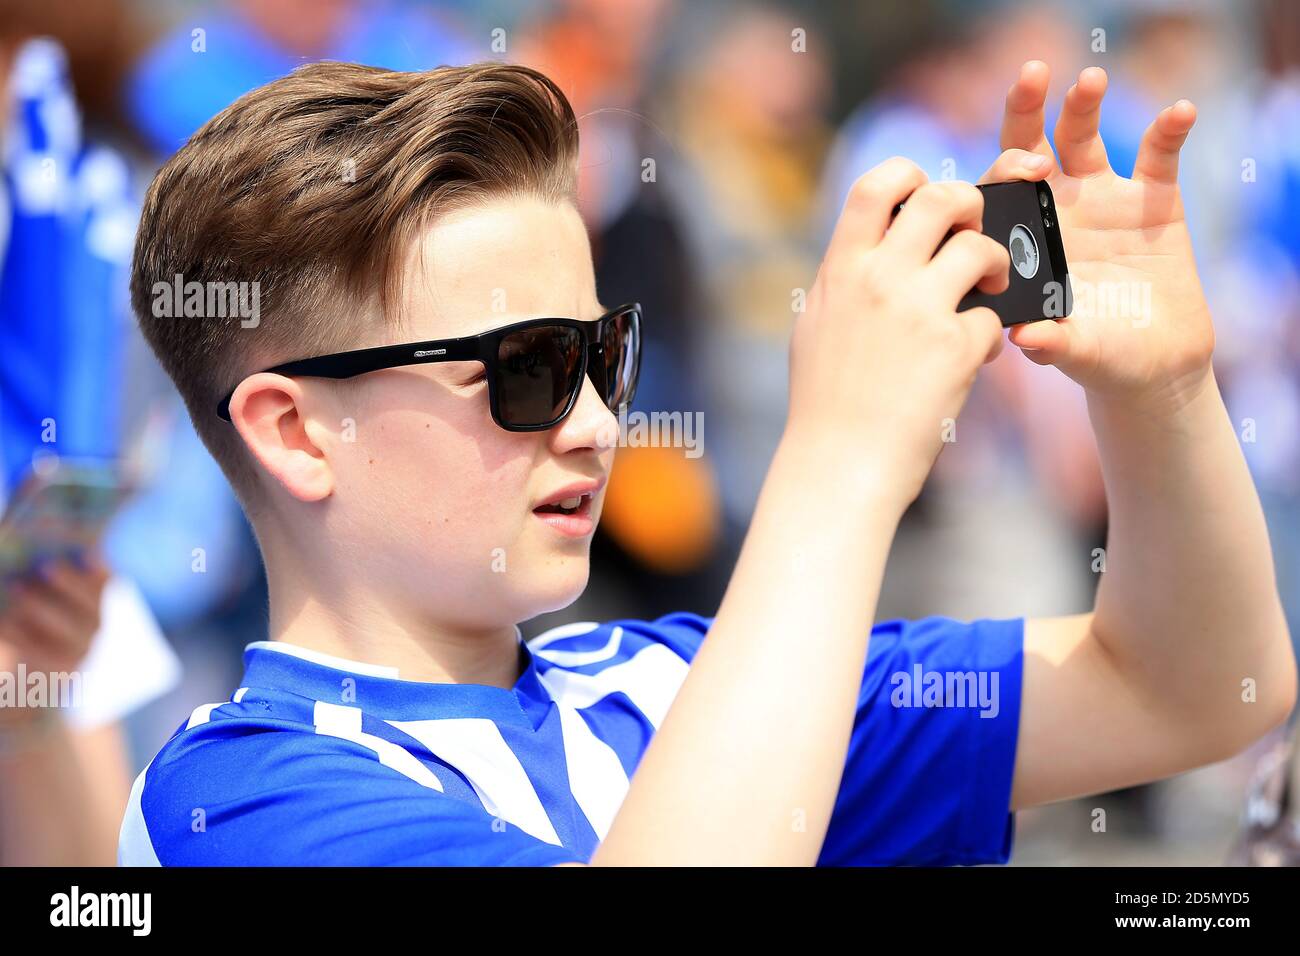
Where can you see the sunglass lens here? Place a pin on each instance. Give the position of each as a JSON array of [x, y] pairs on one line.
[[621, 345], [538, 374]]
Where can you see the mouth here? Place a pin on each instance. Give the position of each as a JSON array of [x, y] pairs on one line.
[[568, 510]]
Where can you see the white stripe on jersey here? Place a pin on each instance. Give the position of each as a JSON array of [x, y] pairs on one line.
[[336, 720], [575, 658], [475, 747], [202, 714], [596, 775], [650, 679], [134, 848]]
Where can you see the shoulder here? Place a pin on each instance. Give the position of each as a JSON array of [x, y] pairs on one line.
[[232, 776], [269, 778], [593, 645]]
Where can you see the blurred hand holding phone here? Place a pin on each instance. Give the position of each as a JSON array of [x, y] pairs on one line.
[[58, 513]]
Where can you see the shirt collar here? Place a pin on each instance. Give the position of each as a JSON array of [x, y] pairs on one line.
[[378, 690]]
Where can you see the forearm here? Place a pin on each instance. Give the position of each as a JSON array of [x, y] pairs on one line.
[[747, 764], [61, 799], [1188, 605]]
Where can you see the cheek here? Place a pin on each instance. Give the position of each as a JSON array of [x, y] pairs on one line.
[[438, 480]]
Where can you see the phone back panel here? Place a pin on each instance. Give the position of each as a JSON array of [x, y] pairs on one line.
[[1022, 217]]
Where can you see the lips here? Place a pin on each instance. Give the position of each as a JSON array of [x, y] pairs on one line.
[[567, 510], [570, 498]]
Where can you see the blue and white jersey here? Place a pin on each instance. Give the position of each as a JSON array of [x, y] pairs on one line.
[[320, 761], [67, 224]]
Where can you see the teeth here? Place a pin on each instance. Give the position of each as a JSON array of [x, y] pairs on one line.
[[568, 504]]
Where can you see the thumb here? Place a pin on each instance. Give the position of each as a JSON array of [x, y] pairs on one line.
[[1045, 342]]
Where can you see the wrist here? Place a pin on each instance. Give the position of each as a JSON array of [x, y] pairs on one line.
[[1161, 405], [25, 728], [845, 476]]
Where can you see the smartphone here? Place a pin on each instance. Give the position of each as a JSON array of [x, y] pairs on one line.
[[58, 510], [1022, 217]]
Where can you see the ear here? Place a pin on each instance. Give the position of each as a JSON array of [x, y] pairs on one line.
[[267, 410]]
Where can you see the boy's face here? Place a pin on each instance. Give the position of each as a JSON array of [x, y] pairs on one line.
[[433, 499]]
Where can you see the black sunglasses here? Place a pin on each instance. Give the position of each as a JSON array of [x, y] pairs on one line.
[[535, 369]]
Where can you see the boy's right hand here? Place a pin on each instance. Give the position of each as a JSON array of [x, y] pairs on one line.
[[881, 361]]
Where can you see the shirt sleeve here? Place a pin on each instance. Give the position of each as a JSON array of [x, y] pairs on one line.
[[927, 778], [318, 805]]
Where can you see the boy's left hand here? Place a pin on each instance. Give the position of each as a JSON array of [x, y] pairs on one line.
[[1126, 244]]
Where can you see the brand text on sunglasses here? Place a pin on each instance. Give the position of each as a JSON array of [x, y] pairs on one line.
[[655, 430], [209, 300]]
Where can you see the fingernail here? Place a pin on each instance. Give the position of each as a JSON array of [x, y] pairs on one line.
[[1035, 161]]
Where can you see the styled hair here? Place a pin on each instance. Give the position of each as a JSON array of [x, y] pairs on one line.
[[309, 191]]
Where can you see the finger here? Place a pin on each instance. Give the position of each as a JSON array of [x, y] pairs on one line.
[[50, 627], [1045, 342], [1078, 142], [986, 332], [1018, 164], [870, 205], [932, 212], [969, 260], [1157, 159], [1022, 120], [81, 589], [999, 342]]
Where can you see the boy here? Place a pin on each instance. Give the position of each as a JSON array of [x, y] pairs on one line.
[[431, 475]]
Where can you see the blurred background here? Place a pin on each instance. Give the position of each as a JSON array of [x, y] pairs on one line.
[[719, 140]]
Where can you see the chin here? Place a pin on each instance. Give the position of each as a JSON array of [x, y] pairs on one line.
[[557, 585]]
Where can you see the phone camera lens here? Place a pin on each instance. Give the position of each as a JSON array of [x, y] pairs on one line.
[[1042, 200], [1047, 221]]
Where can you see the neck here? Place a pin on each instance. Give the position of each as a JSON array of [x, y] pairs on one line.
[[352, 623]]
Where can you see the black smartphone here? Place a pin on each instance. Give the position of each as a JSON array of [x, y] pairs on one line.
[[1022, 216]]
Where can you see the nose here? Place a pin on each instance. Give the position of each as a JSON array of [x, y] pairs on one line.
[[589, 425]]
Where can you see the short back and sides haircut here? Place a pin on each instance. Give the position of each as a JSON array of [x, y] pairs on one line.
[[315, 187]]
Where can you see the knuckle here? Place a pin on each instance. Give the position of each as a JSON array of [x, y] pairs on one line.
[[983, 324], [969, 196], [875, 278], [968, 245], [902, 168], [994, 251], [866, 191]]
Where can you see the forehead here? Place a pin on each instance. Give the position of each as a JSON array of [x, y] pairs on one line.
[[496, 262]]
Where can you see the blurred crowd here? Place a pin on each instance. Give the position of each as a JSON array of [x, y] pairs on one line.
[[718, 142]]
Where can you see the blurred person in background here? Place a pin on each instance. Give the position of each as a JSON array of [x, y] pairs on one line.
[[747, 113], [1259, 285], [1257, 282], [660, 541], [218, 52], [66, 224]]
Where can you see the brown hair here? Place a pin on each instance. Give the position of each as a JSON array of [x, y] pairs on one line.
[[314, 187]]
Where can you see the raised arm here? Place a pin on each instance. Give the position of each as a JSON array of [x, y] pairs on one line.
[[61, 791], [746, 766], [1186, 658]]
